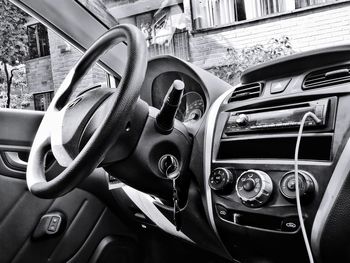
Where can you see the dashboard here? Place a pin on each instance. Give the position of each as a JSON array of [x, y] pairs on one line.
[[249, 158], [241, 199], [198, 93]]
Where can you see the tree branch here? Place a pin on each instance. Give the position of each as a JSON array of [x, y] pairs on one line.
[[11, 77], [8, 82]]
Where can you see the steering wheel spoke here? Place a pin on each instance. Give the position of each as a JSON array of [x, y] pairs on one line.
[[60, 153], [39, 149]]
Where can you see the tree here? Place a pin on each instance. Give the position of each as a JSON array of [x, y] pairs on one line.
[[237, 61], [13, 42]]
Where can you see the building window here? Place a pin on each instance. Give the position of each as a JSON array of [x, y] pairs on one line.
[[38, 41], [212, 13], [42, 100]]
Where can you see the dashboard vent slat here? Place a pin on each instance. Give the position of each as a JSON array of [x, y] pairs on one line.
[[248, 91], [327, 77]]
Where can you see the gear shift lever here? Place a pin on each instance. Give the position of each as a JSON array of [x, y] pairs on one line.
[[165, 118]]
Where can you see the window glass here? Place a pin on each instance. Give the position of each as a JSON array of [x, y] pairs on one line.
[[212, 13], [34, 61], [42, 100], [226, 37], [163, 22], [212, 34], [38, 41]]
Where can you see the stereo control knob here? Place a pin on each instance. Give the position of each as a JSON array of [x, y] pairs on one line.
[[254, 188], [306, 185], [242, 120], [220, 179]]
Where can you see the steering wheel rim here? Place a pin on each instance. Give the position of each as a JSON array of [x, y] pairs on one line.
[[122, 101]]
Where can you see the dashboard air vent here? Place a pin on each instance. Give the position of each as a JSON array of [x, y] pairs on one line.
[[327, 77], [247, 91]]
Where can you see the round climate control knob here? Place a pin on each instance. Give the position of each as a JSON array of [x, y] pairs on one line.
[[220, 179], [254, 188], [306, 185]]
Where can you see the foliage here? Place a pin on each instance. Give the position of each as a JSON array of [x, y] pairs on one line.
[[13, 44], [17, 101], [237, 61], [13, 36], [19, 95]]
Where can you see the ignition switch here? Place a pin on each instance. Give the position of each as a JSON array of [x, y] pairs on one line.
[[168, 165]]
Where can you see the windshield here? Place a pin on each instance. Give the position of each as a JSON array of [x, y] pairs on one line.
[[228, 36]]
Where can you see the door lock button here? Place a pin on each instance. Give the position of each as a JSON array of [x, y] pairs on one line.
[[54, 224], [49, 224]]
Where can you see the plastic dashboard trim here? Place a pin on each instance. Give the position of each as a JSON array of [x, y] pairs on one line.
[[330, 196], [207, 154]]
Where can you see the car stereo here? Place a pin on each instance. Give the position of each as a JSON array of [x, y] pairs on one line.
[[283, 117]]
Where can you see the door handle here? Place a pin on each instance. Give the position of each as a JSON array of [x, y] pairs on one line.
[[14, 161]]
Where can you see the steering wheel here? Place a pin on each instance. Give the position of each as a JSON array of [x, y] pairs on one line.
[[121, 103]]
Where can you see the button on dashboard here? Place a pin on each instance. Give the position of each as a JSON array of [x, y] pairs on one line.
[[223, 212], [279, 86], [290, 224]]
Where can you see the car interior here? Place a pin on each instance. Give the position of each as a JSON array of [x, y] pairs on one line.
[[169, 163]]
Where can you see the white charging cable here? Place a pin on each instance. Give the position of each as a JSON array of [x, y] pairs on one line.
[[296, 178]]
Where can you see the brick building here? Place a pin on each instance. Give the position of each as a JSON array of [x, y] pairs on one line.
[[201, 31], [316, 25], [50, 59]]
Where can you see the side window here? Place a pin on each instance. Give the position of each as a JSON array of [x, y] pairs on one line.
[[34, 61]]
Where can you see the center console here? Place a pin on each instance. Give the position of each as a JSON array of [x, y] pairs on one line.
[[252, 176], [250, 180]]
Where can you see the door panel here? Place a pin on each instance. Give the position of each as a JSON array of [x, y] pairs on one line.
[[87, 220], [18, 128]]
